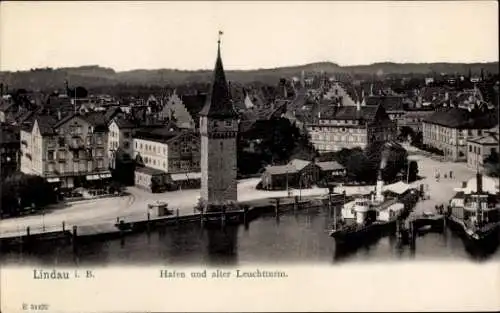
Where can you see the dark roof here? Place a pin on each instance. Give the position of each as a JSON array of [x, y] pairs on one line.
[[219, 104], [329, 166], [123, 122], [6, 105], [55, 101], [149, 170], [163, 135], [112, 112], [462, 118], [46, 124], [389, 103], [96, 119], [459, 195], [487, 139], [194, 104], [367, 113]]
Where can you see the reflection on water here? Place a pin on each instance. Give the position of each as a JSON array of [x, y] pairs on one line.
[[300, 237]]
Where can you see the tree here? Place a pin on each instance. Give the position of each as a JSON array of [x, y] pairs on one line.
[[276, 141], [405, 132], [359, 167], [412, 171], [20, 190], [491, 164], [395, 159], [417, 140]]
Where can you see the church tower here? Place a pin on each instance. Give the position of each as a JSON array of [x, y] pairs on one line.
[[218, 129]]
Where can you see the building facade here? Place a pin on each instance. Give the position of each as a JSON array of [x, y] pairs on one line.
[[120, 138], [69, 153], [349, 127], [218, 129], [414, 119], [449, 130], [168, 150], [479, 148]]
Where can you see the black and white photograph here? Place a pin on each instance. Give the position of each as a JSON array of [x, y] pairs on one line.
[[220, 134]]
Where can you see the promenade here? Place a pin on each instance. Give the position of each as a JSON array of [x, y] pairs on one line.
[[134, 206]]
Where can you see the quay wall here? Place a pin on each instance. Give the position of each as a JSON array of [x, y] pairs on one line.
[[252, 211]]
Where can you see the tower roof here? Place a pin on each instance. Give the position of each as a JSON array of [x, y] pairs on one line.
[[219, 104]]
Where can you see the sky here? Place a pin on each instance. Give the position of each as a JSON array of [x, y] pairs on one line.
[[183, 35]]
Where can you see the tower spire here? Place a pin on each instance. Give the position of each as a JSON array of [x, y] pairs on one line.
[[219, 102]]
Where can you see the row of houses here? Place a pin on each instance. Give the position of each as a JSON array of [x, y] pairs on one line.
[[81, 150]]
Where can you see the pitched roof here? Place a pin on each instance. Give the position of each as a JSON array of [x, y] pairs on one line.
[[280, 169], [123, 122], [162, 135], [488, 139], [219, 102], [149, 171], [389, 103], [194, 104], [298, 164], [96, 119], [350, 113], [46, 124], [462, 118], [329, 165], [6, 105], [112, 112]]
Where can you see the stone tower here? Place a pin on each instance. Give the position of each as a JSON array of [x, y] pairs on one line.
[[218, 129]]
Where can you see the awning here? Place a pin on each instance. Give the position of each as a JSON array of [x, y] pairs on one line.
[[194, 175], [107, 175], [185, 176], [92, 177], [398, 187], [53, 180], [179, 177]]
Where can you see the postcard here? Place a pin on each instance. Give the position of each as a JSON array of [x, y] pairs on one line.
[[240, 156]]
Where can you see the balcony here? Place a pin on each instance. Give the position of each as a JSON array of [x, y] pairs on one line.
[[76, 143]]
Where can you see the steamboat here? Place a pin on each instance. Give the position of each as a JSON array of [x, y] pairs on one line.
[[367, 215], [475, 210]]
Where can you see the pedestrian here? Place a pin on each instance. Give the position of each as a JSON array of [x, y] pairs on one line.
[[451, 174]]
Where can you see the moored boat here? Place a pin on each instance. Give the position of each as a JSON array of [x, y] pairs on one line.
[[475, 210]]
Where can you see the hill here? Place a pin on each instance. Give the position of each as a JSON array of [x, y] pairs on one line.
[[96, 76]]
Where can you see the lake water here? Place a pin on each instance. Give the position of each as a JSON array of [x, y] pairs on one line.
[[293, 238]]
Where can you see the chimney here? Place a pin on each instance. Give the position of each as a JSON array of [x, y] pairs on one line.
[[479, 182], [378, 189], [59, 115]]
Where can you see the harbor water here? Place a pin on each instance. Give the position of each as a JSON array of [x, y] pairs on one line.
[[300, 237]]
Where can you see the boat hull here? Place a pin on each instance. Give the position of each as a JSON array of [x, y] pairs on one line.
[[475, 238], [360, 233]]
